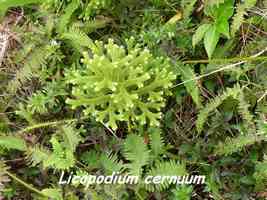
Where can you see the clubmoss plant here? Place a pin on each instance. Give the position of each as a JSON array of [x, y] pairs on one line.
[[121, 84]]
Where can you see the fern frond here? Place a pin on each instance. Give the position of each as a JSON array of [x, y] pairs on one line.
[[167, 168], [94, 6], [64, 20], [62, 155], [192, 86], [243, 108], [182, 193], [91, 159], [137, 153], [31, 67], [77, 38], [213, 104], [232, 145], [71, 137], [36, 155], [3, 177], [238, 18], [156, 142], [37, 103], [61, 158], [111, 163]]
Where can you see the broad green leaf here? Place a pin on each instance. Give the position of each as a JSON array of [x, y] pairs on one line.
[[222, 26], [210, 40], [213, 2], [199, 34], [11, 142], [224, 10]]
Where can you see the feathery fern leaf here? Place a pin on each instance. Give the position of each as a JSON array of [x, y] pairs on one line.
[[156, 142], [31, 67], [64, 20], [183, 192], [111, 163], [192, 86], [168, 168], [91, 159], [3, 177], [71, 137], [232, 145], [94, 6], [36, 155], [61, 157], [137, 153], [77, 38], [243, 108], [238, 18], [213, 104]]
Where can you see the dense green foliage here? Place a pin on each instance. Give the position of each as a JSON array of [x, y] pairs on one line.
[[145, 88]]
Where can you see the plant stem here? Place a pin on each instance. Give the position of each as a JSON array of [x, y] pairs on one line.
[[45, 124], [24, 183], [204, 61]]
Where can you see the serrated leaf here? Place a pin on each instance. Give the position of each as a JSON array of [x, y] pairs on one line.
[[210, 40], [199, 34]]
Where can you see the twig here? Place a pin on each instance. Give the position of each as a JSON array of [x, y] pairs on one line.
[[3, 45], [222, 68], [110, 130], [262, 97]]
